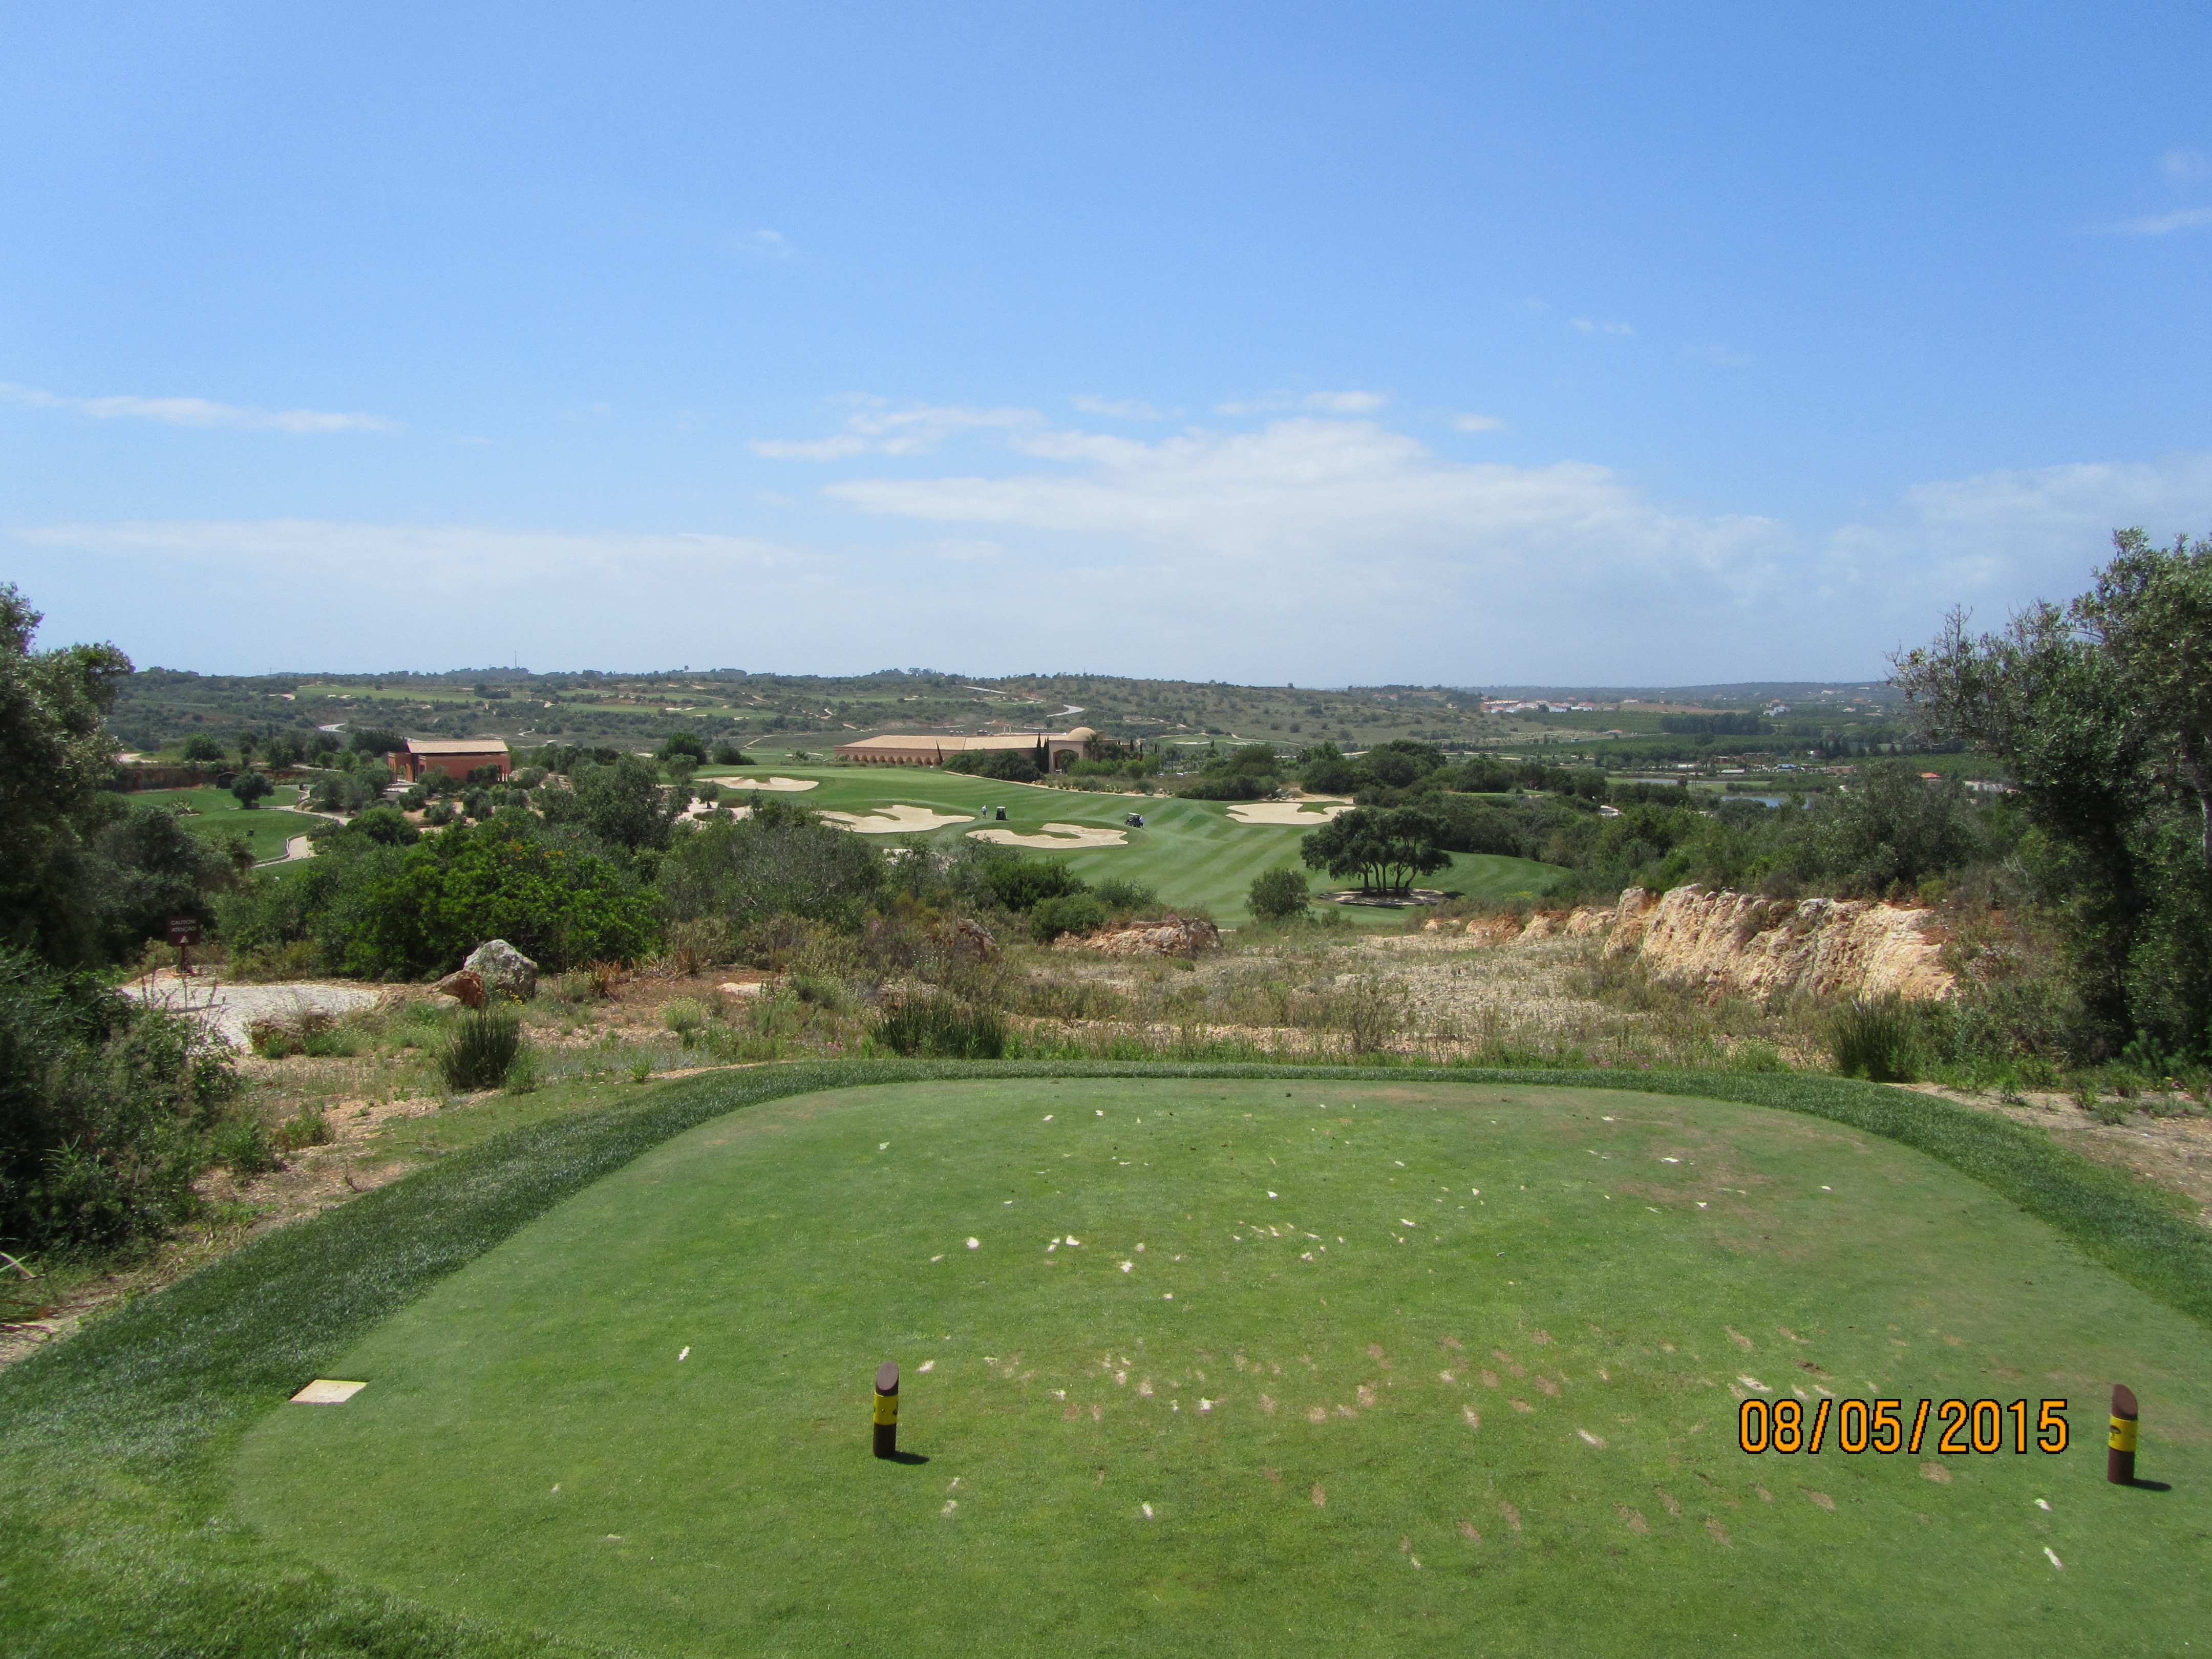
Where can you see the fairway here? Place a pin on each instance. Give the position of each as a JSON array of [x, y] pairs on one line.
[[1257, 1365], [1192, 853], [216, 815]]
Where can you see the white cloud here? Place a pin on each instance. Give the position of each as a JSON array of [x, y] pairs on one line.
[[1593, 325], [1343, 550], [1119, 408], [199, 412], [2165, 224], [765, 245], [1322, 402], [2186, 166], [1477, 424], [877, 427]]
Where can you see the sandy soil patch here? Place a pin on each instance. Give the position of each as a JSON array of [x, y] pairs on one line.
[[1066, 836], [228, 1009], [1300, 814], [766, 783], [895, 820]]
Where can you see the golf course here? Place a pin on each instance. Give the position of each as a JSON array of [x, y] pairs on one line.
[[1195, 1360], [1193, 852]]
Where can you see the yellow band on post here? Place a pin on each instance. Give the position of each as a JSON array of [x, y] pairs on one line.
[[887, 1409], [2123, 1434]]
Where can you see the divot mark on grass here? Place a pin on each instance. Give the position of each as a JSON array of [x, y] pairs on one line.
[[1522, 1406], [1719, 1532], [1738, 1337], [2054, 1561], [1821, 1498], [1319, 1498], [1630, 1518], [1936, 1473], [1597, 1440], [1512, 1516], [1673, 1508], [1467, 1528]]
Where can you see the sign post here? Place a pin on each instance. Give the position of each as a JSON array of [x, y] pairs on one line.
[[184, 933], [887, 1409], [2120, 1454]]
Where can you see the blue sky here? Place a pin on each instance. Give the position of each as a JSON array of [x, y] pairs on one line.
[[1464, 344]]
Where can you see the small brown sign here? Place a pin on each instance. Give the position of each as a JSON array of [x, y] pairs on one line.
[[184, 930]]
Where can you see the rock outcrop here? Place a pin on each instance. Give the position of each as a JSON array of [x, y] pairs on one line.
[[1175, 936], [505, 971], [462, 986], [1745, 945]]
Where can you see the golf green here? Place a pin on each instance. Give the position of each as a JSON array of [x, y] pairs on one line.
[[1248, 1366]]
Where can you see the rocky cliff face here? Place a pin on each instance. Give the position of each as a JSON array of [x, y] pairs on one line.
[[1749, 947]]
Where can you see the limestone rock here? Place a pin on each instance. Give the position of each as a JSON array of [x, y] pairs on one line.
[[505, 971], [1173, 936], [464, 986]]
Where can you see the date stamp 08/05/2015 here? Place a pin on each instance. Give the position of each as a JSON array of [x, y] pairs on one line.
[[1949, 1427]]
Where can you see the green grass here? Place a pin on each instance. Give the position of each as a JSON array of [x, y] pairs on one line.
[[127, 1525], [217, 816], [1192, 853]]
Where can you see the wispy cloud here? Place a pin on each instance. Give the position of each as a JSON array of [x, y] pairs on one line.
[[1119, 408], [765, 245], [2165, 224], [2186, 166], [199, 412], [878, 427], [1321, 403], [1595, 325], [1724, 356], [1477, 424]]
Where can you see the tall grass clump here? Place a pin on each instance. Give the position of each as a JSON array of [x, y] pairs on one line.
[[1873, 1037], [481, 1049], [941, 1028]]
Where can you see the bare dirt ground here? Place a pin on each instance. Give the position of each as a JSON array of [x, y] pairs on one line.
[[2174, 1153], [229, 1008]]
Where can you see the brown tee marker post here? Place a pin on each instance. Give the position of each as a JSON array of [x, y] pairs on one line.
[[2120, 1460], [887, 1409]]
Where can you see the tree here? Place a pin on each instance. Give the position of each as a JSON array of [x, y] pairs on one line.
[[1384, 848], [2099, 713], [1277, 895], [687, 745], [202, 750], [249, 787], [781, 860], [377, 741]]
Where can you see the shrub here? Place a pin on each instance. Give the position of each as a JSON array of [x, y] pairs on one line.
[[1873, 1037], [309, 1128], [1021, 885], [940, 1028], [1120, 897], [244, 1147], [1276, 895], [481, 1050], [1070, 913], [686, 1017]]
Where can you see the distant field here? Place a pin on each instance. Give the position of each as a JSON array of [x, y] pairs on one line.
[[216, 815], [1192, 853]]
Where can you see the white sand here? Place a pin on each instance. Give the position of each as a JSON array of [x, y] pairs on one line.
[[895, 820], [1301, 814], [1065, 837], [750, 784]]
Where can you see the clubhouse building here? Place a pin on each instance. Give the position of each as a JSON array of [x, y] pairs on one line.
[[1053, 750], [455, 757]]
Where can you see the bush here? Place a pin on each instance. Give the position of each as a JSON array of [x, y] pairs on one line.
[[1122, 897], [1070, 913], [1277, 895], [1021, 885], [940, 1028], [481, 1049], [686, 1017], [244, 1147], [309, 1128], [1875, 1038], [107, 1113]]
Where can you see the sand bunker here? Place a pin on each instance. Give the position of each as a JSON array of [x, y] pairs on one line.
[[750, 784], [895, 820], [1065, 837], [1302, 814]]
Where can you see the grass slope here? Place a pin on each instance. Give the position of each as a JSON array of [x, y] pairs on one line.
[[116, 1535], [1192, 853], [1416, 1365]]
